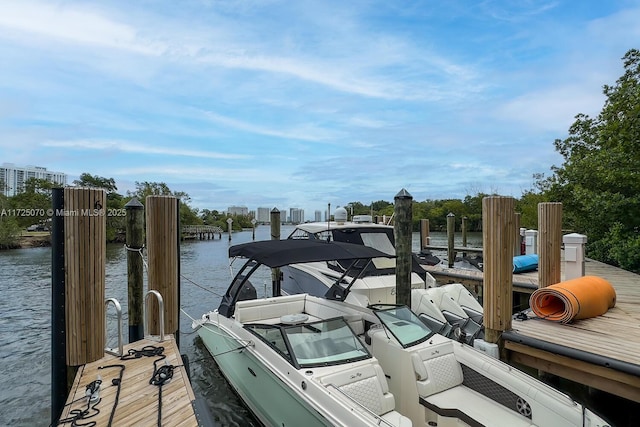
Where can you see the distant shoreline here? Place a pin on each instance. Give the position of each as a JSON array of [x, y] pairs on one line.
[[34, 241], [40, 240]]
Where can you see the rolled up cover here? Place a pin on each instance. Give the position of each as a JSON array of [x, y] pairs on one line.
[[524, 263], [579, 298]]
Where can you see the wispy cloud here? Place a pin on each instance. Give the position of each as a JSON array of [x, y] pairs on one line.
[[132, 147]]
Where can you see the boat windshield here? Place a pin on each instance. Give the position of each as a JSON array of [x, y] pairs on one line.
[[403, 324], [324, 343]]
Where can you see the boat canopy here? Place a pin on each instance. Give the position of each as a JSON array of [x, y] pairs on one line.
[[277, 253]]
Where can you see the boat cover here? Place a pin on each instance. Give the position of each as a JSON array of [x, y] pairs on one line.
[[574, 299], [277, 253]]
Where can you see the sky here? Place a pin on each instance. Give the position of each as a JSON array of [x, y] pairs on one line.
[[270, 103]]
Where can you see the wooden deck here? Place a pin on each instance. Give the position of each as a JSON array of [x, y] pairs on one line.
[[602, 352], [605, 349], [135, 403]]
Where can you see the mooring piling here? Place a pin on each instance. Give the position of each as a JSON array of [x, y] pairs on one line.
[[163, 254], [549, 243], [451, 231], [403, 214], [424, 233], [497, 235], [275, 235], [135, 267], [85, 248]]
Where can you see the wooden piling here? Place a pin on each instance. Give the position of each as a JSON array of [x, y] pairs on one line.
[[464, 234], [84, 255], [162, 253], [275, 235], [516, 236], [451, 230], [403, 214], [549, 243], [135, 265], [497, 235], [424, 233]]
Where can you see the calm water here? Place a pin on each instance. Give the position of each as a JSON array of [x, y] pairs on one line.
[[25, 317]]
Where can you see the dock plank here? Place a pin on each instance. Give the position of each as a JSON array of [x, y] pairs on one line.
[[137, 403]]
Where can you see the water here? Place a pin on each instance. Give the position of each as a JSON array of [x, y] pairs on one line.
[[25, 324]]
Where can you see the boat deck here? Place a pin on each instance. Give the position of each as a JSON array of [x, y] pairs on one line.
[[136, 401]]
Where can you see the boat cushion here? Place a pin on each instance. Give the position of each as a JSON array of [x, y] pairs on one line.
[[366, 384], [256, 310], [435, 374]]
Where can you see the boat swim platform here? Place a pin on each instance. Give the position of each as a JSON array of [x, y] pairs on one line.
[[602, 352], [136, 401]]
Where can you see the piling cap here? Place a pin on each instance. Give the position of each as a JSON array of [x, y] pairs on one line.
[[403, 194], [134, 204]]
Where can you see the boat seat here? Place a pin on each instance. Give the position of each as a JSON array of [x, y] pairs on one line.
[[439, 381], [270, 308], [365, 384]]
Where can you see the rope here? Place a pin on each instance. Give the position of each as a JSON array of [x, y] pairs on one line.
[[200, 286], [118, 382], [244, 343]]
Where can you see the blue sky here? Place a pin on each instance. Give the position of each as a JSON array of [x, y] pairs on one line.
[[302, 103]]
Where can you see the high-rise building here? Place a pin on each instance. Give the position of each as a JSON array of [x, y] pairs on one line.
[[238, 210], [13, 178], [296, 216], [264, 215], [318, 216]]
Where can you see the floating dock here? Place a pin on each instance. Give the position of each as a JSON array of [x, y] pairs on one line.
[[126, 395], [601, 352]]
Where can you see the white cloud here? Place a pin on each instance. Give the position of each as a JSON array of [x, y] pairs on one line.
[[133, 147]]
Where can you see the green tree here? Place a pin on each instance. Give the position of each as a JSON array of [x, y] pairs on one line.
[[35, 197], [188, 215], [9, 228], [599, 180], [115, 223]]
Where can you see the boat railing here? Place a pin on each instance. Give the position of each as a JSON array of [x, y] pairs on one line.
[[116, 304], [379, 419], [160, 315]]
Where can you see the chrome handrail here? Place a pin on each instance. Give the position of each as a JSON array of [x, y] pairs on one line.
[[160, 317], [116, 304]]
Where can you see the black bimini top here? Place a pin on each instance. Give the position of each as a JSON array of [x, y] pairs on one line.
[[277, 253]]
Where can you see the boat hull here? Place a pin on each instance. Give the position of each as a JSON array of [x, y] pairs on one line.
[[269, 399]]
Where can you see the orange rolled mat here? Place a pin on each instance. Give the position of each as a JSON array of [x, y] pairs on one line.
[[580, 298]]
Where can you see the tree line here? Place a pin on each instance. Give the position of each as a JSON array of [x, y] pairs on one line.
[[598, 184]]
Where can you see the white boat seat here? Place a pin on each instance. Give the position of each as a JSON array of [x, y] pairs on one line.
[[365, 384], [435, 374], [248, 311], [439, 380]]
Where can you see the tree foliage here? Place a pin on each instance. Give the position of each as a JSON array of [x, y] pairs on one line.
[[599, 179]]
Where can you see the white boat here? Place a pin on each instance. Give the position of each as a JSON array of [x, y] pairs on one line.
[[451, 310], [293, 359], [306, 360]]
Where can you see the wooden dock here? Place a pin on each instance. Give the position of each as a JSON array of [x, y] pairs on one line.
[[602, 352], [126, 396]]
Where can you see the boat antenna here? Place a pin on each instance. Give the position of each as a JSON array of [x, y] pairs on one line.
[[328, 221]]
